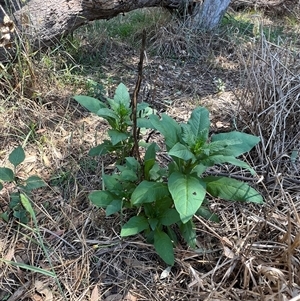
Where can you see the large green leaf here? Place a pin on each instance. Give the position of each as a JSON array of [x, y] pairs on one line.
[[122, 95], [182, 152], [148, 192], [231, 190], [164, 247], [6, 174], [220, 159], [90, 103], [117, 136], [17, 156], [188, 193], [134, 226], [199, 123], [101, 198], [167, 127], [247, 142]]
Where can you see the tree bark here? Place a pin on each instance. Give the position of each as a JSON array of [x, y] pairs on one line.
[[44, 22], [208, 15]]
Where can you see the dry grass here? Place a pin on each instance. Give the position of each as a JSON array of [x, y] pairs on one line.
[[252, 254]]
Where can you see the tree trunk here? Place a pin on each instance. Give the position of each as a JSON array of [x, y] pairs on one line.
[[44, 22], [209, 14]]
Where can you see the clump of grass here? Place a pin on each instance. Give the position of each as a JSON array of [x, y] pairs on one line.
[[270, 104], [125, 28]]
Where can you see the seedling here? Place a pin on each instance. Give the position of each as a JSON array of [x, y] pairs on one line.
[[22, 188]]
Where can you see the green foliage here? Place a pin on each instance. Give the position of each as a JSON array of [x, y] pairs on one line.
[[117, 113], [162, 198], [18, 204]]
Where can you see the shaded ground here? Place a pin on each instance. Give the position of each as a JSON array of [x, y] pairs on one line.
[[252, 254]]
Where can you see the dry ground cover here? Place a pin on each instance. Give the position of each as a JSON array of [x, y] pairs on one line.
[[248, 84]]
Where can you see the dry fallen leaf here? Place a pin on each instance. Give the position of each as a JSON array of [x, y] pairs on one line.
[[272, 274], [129, 297], [165, 273], [43, 290], [95, 294]]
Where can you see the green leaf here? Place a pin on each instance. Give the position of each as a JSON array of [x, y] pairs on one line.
[[156, 172], [111, 182], [91, 104], [199, 123], [169, 217], [220, 159], [153, 223], [21, 215], [107, 113], [132, 163], [14, 200], [232, 190], [5, 216], [149, 159], [113, 207], [101, 198], [172, 235], [34, 182], [188, 232], [6, 174], [1, 186], [151, 151], [188, 193], [199, 169], [182, 152], [27, 205], [207, 214], [167, 127], [144, 123], [101, 149], [247, 142], [148, 192], [129, 175], [164, 247], [134, 226], [17, 156], [29, 268], [122, 95], [117, 136]]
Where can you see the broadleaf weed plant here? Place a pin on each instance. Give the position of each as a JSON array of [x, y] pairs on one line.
[[164, 197], [22, 187]]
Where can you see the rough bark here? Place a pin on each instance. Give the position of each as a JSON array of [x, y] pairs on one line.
[[44, 22], [209, 14]]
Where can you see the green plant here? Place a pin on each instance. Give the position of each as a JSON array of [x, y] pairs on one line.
[[117, 112], [22, 188], [168, 197]]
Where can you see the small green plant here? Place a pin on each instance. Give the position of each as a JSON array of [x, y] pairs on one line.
[[22, 188], [165, 198], [117, 112]]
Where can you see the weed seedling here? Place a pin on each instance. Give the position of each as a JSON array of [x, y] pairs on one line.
[[22, 188]]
